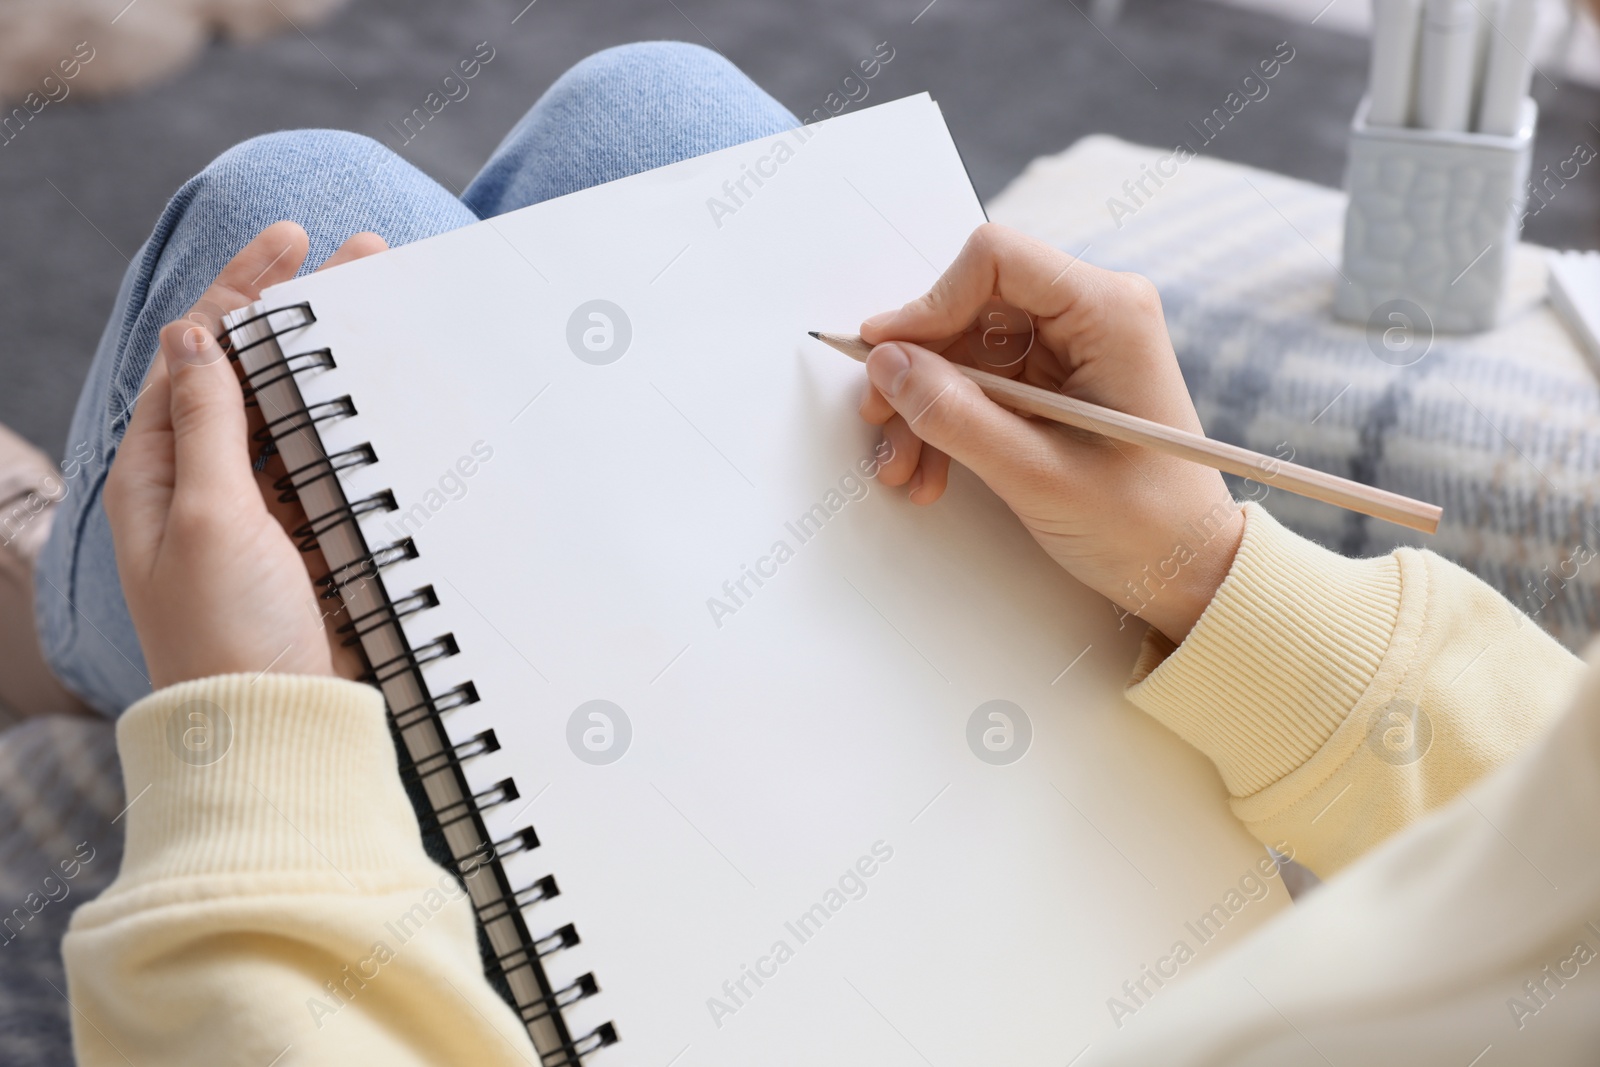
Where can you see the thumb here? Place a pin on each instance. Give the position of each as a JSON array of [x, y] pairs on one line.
[[945, 408], [211, 450]]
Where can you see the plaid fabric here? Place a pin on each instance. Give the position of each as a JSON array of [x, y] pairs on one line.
[[1501, 429], [60, 789]]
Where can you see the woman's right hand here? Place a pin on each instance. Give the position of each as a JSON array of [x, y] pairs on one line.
[[1153, 533]]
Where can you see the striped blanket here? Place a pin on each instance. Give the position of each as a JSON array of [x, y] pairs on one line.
[[61, 843]]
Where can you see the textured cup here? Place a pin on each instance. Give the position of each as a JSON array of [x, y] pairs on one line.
[[1433, 218]]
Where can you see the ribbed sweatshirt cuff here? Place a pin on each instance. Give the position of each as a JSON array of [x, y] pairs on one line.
[[269, 774], [1293, 637]]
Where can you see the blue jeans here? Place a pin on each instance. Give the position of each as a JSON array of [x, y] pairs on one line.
[[620, 111]]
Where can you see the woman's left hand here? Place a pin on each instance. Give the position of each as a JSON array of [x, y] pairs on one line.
[[213, 582]]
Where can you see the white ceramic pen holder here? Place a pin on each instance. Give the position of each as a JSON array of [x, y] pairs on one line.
[[1433, 218]]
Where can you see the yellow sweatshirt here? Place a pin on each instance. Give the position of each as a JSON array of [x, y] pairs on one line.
[[1347, 705]]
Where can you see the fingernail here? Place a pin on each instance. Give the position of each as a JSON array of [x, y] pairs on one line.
[[194, 346], [887, 367], [882, 318]]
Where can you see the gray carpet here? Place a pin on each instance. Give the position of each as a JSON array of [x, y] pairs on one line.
[[1016, 78]]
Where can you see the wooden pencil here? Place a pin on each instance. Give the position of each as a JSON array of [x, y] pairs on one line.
[[1133, 430]]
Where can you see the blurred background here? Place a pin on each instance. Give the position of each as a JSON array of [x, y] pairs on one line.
[[175, 83]]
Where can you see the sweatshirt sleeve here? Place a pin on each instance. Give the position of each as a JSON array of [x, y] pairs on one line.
[[1343, 699], [1468, 938], [274, 895]]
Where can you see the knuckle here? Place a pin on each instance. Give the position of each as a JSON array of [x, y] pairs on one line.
[[888, 450], [1139, 291], [984, 248], [932, 301], [994, 240], [987, 236]]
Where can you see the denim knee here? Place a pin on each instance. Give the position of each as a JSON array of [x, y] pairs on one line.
[[334, 183], [613, 75], [687, 91], [313, 160], [282, 152], [621, 111]]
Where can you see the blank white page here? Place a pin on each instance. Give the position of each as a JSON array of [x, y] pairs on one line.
[[818, 723]]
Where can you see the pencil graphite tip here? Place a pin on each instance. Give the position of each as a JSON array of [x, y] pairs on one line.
[[854, 347]]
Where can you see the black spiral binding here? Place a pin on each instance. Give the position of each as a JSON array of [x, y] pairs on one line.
[[369, 621], [287, 367], [290, 484], [504, 904], [308, 532]]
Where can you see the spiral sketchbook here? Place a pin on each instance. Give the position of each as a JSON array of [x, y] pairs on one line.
[[743, 757]]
